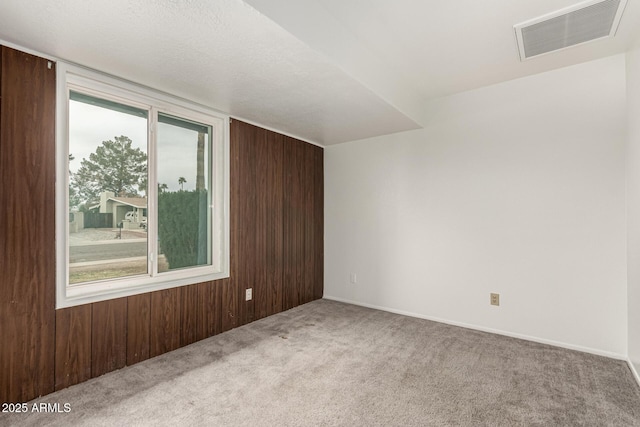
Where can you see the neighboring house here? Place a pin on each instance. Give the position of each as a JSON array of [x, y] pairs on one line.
[[120, 206]]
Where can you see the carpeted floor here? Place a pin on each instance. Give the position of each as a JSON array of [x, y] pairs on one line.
[[332, 364]]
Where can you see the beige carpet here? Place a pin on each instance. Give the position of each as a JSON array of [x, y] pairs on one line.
[[328, 363]]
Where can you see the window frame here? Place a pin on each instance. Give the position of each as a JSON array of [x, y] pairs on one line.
[[90, 82]]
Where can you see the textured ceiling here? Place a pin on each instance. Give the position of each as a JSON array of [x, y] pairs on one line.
[[221, 53], [434, 48], [327, 71]]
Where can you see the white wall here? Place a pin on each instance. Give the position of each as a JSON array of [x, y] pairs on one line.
[[517, 188], [633, 204]]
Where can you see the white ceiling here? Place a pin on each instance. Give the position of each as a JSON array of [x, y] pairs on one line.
[[327, 71]]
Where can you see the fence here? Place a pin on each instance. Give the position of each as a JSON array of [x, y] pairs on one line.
[[98, 220]]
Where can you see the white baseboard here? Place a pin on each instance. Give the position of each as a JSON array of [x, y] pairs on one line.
[[490, 330], [633, 371]]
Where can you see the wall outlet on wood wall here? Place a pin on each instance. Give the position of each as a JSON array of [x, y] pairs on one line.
[[248, 294]]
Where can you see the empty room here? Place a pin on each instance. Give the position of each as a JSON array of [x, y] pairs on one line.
[[320, 212]]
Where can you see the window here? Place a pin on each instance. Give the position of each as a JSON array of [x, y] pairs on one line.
[[142, 185]]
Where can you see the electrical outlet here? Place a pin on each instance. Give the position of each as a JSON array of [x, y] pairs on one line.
[[353, 278], [495, 299], [248, 294]]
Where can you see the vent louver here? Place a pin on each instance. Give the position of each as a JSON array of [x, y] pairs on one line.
[[568, 27]]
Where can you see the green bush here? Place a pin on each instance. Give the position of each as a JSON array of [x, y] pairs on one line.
[[182, 227]]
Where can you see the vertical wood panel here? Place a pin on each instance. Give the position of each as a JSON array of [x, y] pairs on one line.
[[27, 212], [300, 212], [188, 314], [138, 328], [260, 225], [308, 223], [108, 336], [318, 193], [209, 319], [229, 300], [294, 223], [73, 346], [229, 305], [273, 188], [246, 211], [1, 48], [298, 220], [288, 272], [165, 321]]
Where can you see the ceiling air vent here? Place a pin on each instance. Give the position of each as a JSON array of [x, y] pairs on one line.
[[572, 26]]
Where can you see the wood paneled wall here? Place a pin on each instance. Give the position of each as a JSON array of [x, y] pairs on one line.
[[27, 226], [277, 222], [276, 249]]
